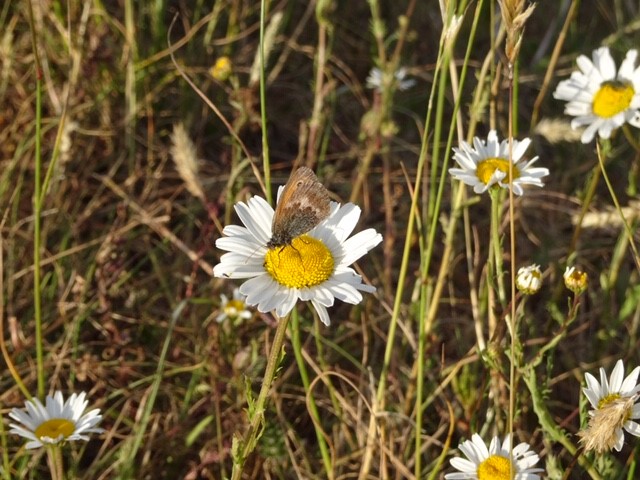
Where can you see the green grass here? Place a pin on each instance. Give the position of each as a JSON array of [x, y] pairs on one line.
[[112, 262]]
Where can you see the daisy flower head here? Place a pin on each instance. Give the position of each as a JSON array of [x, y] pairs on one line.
[[375, 79], [314, 267], [222, 69], [55, 422], [614, 409], [494, 463], [575, 280], [486, 164], [233, 309], [599, 97], [529, 279]]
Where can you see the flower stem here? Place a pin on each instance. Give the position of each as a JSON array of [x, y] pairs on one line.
[[37, 208], [263, 105], [552, 430], [256, 410], [313, 409], [496, 245], [54, 459], [612, 192]]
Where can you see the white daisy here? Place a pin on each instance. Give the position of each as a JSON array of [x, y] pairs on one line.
[[375, 79], [529, 279], [600, 98], [57, 421], [315, 267], [234, 309], [620, 394], [493, 463], [485, 165]]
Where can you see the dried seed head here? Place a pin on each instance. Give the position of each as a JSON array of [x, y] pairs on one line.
[[602, 429], [183, 152], [556, 130], [514, 16]]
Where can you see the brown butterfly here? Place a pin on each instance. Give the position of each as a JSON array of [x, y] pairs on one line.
[[303, 204]]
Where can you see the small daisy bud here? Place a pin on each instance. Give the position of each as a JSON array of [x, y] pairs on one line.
[[222, 69], [575, 280], [529, 279]]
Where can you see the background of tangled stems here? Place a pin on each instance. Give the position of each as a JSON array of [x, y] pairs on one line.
[[124, 241]]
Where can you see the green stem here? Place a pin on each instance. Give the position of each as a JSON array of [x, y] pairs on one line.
[[130, 84], [628, 134], [548, 424], [37, 210], [511, 320], [54, 459], [496, 244], [256, 411], [378, 404], [586, 204], [263, 105], [612, 192], [304, 375]]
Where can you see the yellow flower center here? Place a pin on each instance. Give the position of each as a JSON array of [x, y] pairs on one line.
[[576, 281], [486, 169], [495, 467], [304, 263], [233, 307], [529, 281], [55, 427], [612, 98], [222, 69], [608, 399]]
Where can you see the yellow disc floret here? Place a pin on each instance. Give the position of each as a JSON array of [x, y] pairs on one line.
[[612, 98], [234, 307], [486, 169], [55, 427], [495, 467], [304, 263], [222, 69], [604, 401]]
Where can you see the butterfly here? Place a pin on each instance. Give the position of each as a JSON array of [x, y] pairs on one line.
[[303, 204]]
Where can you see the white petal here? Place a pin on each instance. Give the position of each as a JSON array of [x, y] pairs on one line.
[[604, 63], [520, 148], [619, 440], [628, 66], [615, 381], [589, 133], [345, 220], [322, 313], [463, 465], [359, 245], [287, 305], [631, 381], [632, 427]]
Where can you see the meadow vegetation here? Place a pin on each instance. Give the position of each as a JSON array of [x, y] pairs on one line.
[[129, 133]]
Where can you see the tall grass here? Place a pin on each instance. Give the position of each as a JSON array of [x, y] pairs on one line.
[[124, 152]]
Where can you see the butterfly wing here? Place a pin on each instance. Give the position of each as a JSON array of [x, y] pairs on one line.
[[303, 203]]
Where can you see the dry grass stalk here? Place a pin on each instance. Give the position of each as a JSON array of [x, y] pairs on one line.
[[608, 218], [183, 152], [556, 130], [514, 16]]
